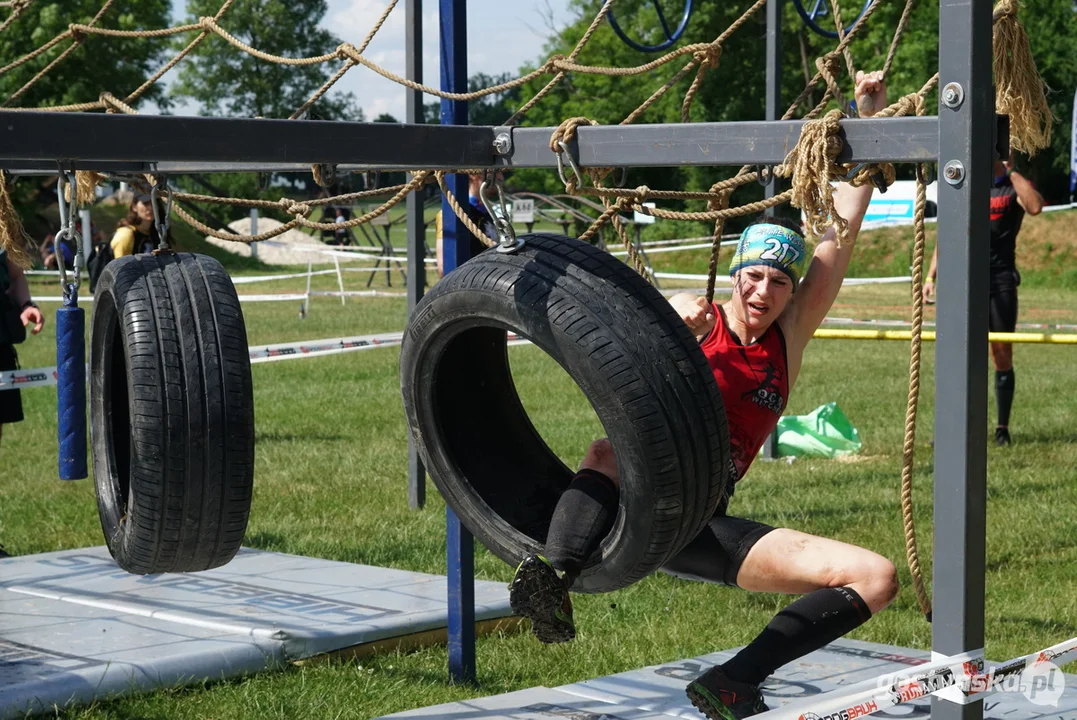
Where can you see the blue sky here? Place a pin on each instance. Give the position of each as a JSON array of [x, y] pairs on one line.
[[502, 34]]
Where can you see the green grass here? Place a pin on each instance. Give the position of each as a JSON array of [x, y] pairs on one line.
[[331, 482]]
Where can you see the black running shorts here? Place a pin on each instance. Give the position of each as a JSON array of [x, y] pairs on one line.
[[716, 554], [10, 400], [1003, 313]]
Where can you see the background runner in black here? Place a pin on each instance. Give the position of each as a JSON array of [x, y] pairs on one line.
[[1012, 195]]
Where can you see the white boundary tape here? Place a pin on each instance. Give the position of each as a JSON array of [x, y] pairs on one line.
[[343, 251], [286, 276], [46, 376], [702, 238], [726, 279], [907, 323], [675, 248], [280, 297]]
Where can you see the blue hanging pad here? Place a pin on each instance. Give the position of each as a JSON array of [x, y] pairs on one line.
[[71, 391]]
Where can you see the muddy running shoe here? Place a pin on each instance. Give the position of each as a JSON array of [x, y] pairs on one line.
[[1002, 436], [538, 594], [720, 698]]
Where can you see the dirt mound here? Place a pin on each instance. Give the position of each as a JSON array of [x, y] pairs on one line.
[[289, 248]]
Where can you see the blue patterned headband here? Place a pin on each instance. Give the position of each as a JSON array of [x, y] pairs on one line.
[[774, 246]]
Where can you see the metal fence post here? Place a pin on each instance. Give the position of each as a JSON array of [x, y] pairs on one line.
[[254, 231], [774, 103], [416, 253]]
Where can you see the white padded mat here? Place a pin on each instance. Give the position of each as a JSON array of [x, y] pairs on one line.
[[75, 627], [657, 692]]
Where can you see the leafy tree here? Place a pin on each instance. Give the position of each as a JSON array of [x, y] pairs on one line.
[[225, 80], [100, 64]]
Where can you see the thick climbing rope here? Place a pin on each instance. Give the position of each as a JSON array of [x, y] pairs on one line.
[[909, 446], [348, 65], [847, 53], [77, 36], [459, 211], [518, 115], [17, 8], [898, 34]]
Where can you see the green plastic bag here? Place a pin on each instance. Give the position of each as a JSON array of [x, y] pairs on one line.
[[825, 432]]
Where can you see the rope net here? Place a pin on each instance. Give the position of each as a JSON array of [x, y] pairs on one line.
[[809, 167]]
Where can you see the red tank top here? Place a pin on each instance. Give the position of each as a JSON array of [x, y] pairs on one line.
[[754, 383]]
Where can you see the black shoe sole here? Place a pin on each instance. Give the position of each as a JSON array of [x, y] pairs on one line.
[[536, 593], [705, 706]]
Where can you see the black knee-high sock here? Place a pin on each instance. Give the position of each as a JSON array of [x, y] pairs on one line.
[[1004, 383], [583, 516], [805, 626]]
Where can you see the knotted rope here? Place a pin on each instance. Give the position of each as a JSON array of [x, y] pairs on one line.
[[1019, 89]]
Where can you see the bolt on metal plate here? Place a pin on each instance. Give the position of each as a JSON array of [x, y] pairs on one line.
[[954, 172], [953, 95]]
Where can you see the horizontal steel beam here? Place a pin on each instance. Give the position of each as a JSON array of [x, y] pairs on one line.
[[35, 142], [195, 144], [913, 139]]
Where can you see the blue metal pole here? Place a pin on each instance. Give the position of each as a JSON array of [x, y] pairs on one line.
[[456, 244]]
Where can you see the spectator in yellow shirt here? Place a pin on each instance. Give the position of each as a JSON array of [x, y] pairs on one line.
[[137, 232]]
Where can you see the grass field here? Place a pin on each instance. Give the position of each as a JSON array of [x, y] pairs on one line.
[[331, 482]]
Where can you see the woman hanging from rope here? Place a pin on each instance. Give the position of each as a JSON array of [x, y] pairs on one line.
[[755, 344]]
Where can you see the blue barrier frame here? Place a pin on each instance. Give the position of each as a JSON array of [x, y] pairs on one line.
[[456, 246]]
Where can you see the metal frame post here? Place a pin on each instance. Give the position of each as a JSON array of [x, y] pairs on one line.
[[455, 247], [774, 102], [416, 281], [965, 160]]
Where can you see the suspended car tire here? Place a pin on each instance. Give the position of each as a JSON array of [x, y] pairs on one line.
[[636, 362], [171, 413]]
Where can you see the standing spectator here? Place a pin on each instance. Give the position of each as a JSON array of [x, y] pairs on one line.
[[343, 234], [17, 312], [137, 232], [476, 211], [48, 252], [1012, 195]]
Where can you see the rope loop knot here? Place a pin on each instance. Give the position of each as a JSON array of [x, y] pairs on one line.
[[298, 209]]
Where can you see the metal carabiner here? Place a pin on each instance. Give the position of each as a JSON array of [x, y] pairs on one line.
[[161, 186], [67, 231], [572, 163], [765, 174], [508, 242]]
